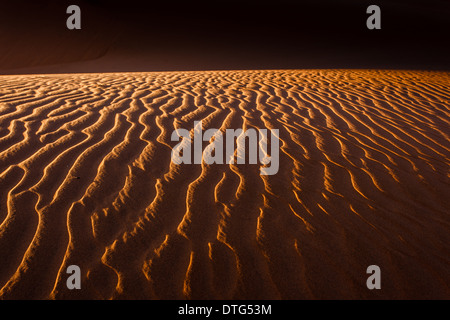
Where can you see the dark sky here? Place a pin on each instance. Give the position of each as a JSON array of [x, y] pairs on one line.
[[245, 34]]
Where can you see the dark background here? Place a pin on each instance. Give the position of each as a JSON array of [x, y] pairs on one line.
[[211, 35]]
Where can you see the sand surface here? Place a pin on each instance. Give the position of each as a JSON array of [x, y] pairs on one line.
[[364, 179]]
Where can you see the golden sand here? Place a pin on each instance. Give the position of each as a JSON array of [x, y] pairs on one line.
[[86, 179]]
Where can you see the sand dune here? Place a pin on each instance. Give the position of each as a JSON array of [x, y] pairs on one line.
[[86, 179]]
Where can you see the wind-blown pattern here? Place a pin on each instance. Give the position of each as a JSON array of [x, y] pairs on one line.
[[86, 179]]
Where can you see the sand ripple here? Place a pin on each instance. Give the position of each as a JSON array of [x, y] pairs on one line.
[[86, 179]]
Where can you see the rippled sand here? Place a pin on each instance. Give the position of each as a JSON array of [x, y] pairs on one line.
[[86, 179]]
